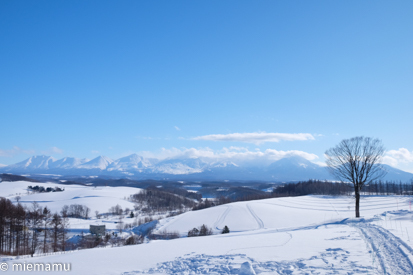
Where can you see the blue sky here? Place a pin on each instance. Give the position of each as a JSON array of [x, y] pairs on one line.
[[89, 78]]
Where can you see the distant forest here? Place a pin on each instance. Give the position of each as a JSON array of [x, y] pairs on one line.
[[316, 187]]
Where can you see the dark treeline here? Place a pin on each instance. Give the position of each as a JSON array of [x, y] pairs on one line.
[[388, 188], [30, 230], [316, 187], [159, 200], [208, 203], [11, 177], [177, 191], [312, 187], [203, 230]]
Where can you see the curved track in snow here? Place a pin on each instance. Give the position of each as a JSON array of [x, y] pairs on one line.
[[221, 219], [393, 254], [259, 221]]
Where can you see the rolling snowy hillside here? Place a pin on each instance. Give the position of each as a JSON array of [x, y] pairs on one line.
[[296, 235]]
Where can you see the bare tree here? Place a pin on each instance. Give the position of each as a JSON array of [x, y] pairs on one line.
[[120, 225], [356, 160], [63, 232], [56, 227], [35, 223], [46, 221]]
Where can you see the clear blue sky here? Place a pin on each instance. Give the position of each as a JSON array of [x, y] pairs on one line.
[[89, 78]]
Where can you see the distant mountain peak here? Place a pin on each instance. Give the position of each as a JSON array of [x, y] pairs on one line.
[[100, 162], [295, 161], [180, 166], [34, 162], [130, 162]]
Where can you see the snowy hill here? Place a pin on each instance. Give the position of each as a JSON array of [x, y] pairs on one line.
[[96, 198], [296, 235], [100, 198], [137, 167]]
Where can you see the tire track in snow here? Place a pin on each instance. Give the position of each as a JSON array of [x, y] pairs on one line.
[[259, 247], [221, 219], [392, 253], [257, 219], [338, 214]]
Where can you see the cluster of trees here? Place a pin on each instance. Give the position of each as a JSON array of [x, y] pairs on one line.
[[388, 188], [164, 235], [178, 191], [205, 204], [203, 230], [29, 230], [116, 210], [134, 239], [76, 211], [41, 189], [161, 201]]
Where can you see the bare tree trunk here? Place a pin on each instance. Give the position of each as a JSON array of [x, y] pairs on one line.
[[357, 203]]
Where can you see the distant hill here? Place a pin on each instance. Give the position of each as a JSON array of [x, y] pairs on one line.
[[293, 168]]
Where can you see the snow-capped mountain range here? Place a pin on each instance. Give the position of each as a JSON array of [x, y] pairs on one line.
[[137, 167]]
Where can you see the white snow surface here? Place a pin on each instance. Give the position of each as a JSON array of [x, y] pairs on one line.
[[296, 235], [96, 198]]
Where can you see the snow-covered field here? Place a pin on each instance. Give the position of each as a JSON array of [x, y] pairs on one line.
[[297, 235], [96, 198]]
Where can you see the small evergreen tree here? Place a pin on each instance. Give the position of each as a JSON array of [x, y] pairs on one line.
[[131, 214], [193, 232], [205, 230], [225, 230]]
